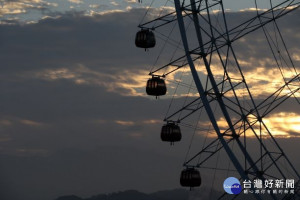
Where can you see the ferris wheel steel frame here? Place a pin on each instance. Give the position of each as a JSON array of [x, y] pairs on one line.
[[205, 49], [235, 33]]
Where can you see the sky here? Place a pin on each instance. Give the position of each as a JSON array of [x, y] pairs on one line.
[[75, 118]]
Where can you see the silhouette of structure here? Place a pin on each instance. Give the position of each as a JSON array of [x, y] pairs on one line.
[[156, 86], [170, 132], [145, 38], [207, 40]]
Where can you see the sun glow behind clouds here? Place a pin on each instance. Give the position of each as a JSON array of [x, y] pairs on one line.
[[284, 124], [280, 125], [121, 82]]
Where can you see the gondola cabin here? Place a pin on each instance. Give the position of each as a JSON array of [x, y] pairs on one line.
[[145, 39], [156, 87], [170, 132], [190, 177]]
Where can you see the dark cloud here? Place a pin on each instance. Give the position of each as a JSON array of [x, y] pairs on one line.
[[70, 124], [255, 48]]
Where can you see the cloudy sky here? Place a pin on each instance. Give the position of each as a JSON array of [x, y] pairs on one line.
[[74, 115]]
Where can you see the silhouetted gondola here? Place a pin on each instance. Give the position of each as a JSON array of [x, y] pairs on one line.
[[156, 87], [190, 177], [170, 132], [145, 39]]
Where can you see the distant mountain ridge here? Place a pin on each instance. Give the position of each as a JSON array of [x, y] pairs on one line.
[[176, 194]]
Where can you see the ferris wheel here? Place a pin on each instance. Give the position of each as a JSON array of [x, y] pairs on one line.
[[215, 94]]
